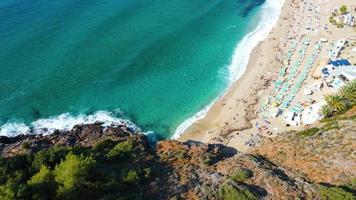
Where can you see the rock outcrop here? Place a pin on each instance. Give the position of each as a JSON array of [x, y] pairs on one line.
[[287, 167]]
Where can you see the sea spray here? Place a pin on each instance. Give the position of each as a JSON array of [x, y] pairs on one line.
[[270, 12], [63, 122]]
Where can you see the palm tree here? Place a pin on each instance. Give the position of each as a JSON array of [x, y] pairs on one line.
[[349, 92], [337, 103], [326, 111]]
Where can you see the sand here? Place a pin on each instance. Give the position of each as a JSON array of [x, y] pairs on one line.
[[232, 119]]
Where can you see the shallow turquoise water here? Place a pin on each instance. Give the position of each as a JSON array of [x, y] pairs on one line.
[[155, 62]]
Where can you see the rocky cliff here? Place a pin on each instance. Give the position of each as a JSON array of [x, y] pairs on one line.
[[127, 167]]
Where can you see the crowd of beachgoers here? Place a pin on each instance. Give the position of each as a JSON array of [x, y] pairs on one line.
[[319, 60], [305, 57]]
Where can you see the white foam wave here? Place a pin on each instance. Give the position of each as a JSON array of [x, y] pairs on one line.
[[63, 122], [188, 122], [270, 12]]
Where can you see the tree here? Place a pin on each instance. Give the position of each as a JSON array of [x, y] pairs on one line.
[[72, 175], [343, 9], [42, 184], [349, 92], [49, 157], [337, 103], [121, 150]]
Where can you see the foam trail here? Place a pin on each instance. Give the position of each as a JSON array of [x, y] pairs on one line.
[[63, 122], [270, 12]]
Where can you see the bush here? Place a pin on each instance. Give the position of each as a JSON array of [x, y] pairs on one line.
[[343, 9], [147, 172], [353, 183], [241, 175], [25, 145], [121, 151], [7, 191], [103, 146], [309, 132], [132, 176], [208, 161], [228, 192], [335, 193]]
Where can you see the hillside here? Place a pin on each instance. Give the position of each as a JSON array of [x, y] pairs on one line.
[[324, 153], [92, 162]]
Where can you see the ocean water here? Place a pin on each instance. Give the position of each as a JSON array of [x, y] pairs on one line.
[[152, 62]]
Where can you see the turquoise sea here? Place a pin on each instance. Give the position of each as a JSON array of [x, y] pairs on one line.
[[153, 62]]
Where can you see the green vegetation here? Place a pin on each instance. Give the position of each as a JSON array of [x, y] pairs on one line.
[[335, 193], [348, 92], [121, 151], [309, 132], [241, 175], [228, 192], [42, 184], [331, 126], [336, 103], [352, 185], [326, 111], [343, 9], [25, 145], [340, 102], [101, 172]]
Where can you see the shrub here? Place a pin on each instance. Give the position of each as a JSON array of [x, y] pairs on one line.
[[208, 161], [326, 111], [353, 184], [121, 150], [132, 176], [147, 173], [343, 9], [331, 125], [7, 191], [228, 192], [104, 146], [309, 132], [335, 193], [25, 145], [241, 175]]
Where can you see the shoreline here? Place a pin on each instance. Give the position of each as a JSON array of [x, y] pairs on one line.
[[272, 95], [238, 67], [216, 121]]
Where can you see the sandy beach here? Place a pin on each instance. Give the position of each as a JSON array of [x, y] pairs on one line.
[[235, 119]]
